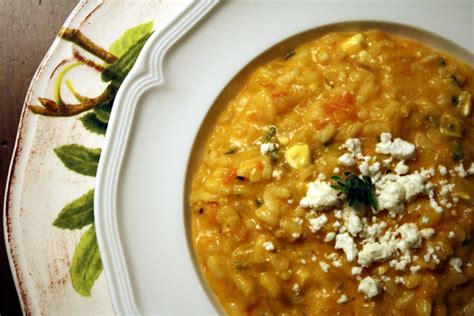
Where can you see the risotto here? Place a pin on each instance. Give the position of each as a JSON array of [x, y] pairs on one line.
[[339, 180]]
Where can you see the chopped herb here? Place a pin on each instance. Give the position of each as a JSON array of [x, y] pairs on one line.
[[240, 178], [258, 203], [454, 100], [271, 132], [231, 150], [241, 265], [442, 62], [455, 80], [289, 54], [466, 241], [359, 191], [274, 154], [458, 153]]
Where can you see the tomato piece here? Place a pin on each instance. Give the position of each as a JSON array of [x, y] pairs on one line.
[[230, 175], [340, 109]]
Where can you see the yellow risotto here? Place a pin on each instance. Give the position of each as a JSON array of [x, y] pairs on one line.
[[339, 180]]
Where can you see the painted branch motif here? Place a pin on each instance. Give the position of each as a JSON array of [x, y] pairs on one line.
[[86, 264]]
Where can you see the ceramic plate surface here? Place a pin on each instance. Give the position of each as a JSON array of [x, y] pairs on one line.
[[157, 130], [39, 185]]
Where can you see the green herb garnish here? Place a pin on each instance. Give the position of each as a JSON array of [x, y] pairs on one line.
[[458, 153], [359, 191], [241, 265], [271, 133], [274, 154], [231, 150], [454, 100], [442, 62], [455, 80], [290, 54]]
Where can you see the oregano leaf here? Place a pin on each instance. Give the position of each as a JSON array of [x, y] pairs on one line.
[[93, 124], [130, 38], [86, 265], [79, 158], [78, 213]]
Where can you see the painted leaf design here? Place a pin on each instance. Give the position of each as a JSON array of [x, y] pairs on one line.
[[117, 71], [102, 112], [130, 38], [93, 124], [78, 213], [79, 158], [86, 265]]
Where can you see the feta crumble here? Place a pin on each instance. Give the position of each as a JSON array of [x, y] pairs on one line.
[[456, 264], [398, 148], [315, 224], [346, 160], [268, 246], [347, 244], [343, 299], [319, 196], [369, 287]]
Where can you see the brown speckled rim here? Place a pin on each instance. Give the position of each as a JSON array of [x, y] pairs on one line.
[[18, 275]]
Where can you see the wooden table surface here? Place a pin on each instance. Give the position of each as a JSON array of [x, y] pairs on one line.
[[28, 28]]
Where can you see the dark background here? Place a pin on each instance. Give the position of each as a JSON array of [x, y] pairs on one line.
[[28, 28]]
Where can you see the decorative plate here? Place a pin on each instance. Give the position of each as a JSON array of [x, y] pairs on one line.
[[167, 105], [48, 215]]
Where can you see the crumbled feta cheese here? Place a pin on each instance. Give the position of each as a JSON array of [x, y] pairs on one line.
[[354, 224], [338, 214], [456, 264], [314, 258], [415, 269], [343, 299], [315, 224], [319, 196], [461, 171], [298, 220], [390, 196], [290, 201], [387, 162], [346, 160], [268, 245], [427, 233], [265, 148], [401, 168], [413, 184], [296, 289], [296, 235], [324, 266], [353, 145], [369, 287], [452, 234], [347, 244], [471, 169], [330, 236], [430, 255], [398, 148], [442, 170], [375, 251], [364, 169], [410, 236], [356, 270], [336, 170], [276, 174], [425, 219]]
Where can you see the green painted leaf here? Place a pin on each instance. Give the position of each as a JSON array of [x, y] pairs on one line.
[[78, 213], [102, 112], [79, 158], [117, 71], [93, 124], [130, 38], [86, 265]]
